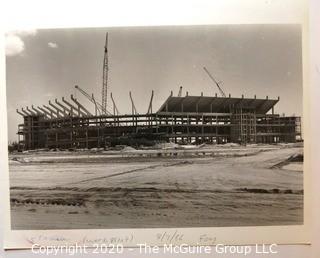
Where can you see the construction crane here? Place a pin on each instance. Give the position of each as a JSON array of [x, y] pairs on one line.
[[91, 98], [104, 100], [217, 83], [180, 92]]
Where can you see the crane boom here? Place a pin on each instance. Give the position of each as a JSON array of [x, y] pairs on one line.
[[84, 93], [91, 98], [213, 79], [105, 77]]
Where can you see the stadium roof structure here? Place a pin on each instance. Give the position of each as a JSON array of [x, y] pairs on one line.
[[215, 104]]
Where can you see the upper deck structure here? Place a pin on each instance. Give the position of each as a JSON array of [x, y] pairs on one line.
[[207, 104]]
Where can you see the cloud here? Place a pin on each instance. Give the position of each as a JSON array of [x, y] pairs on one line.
[[24, 33], [52, 45], [14, 43]]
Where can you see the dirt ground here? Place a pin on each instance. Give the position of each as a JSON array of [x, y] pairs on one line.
[[211, 186]]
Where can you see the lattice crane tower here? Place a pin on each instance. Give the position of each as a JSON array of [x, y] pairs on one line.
[[104, 100]]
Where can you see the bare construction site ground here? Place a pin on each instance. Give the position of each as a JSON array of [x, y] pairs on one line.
[[188, 187]]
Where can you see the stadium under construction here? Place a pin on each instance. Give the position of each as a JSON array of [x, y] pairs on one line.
[[68, 124], [184, 119]]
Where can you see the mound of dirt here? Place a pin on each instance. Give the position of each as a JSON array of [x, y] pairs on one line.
[[128, 149], [167, 146]]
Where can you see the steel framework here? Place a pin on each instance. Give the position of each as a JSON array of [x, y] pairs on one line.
[[189, 119]]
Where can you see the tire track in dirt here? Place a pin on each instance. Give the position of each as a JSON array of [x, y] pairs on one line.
[[132, 171]]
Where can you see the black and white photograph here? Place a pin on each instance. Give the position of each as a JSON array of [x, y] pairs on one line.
[[155, 127]]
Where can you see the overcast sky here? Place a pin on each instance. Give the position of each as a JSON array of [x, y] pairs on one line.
[[248, 59]]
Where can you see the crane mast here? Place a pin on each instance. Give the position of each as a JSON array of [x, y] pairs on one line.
[[214, 80], [104, 94]]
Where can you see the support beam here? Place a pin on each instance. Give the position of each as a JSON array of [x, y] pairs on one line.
[[53, 112], [165, 104], [36, 110], [20, 113], [115, 109], [67, 111], [46, 112], [150, 103], [197, 103], [24, 111], [133, 107], [30, 111], [87, 113], [73, 108], [40, 112], [211, 103], [96, 108], [59, 111]]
